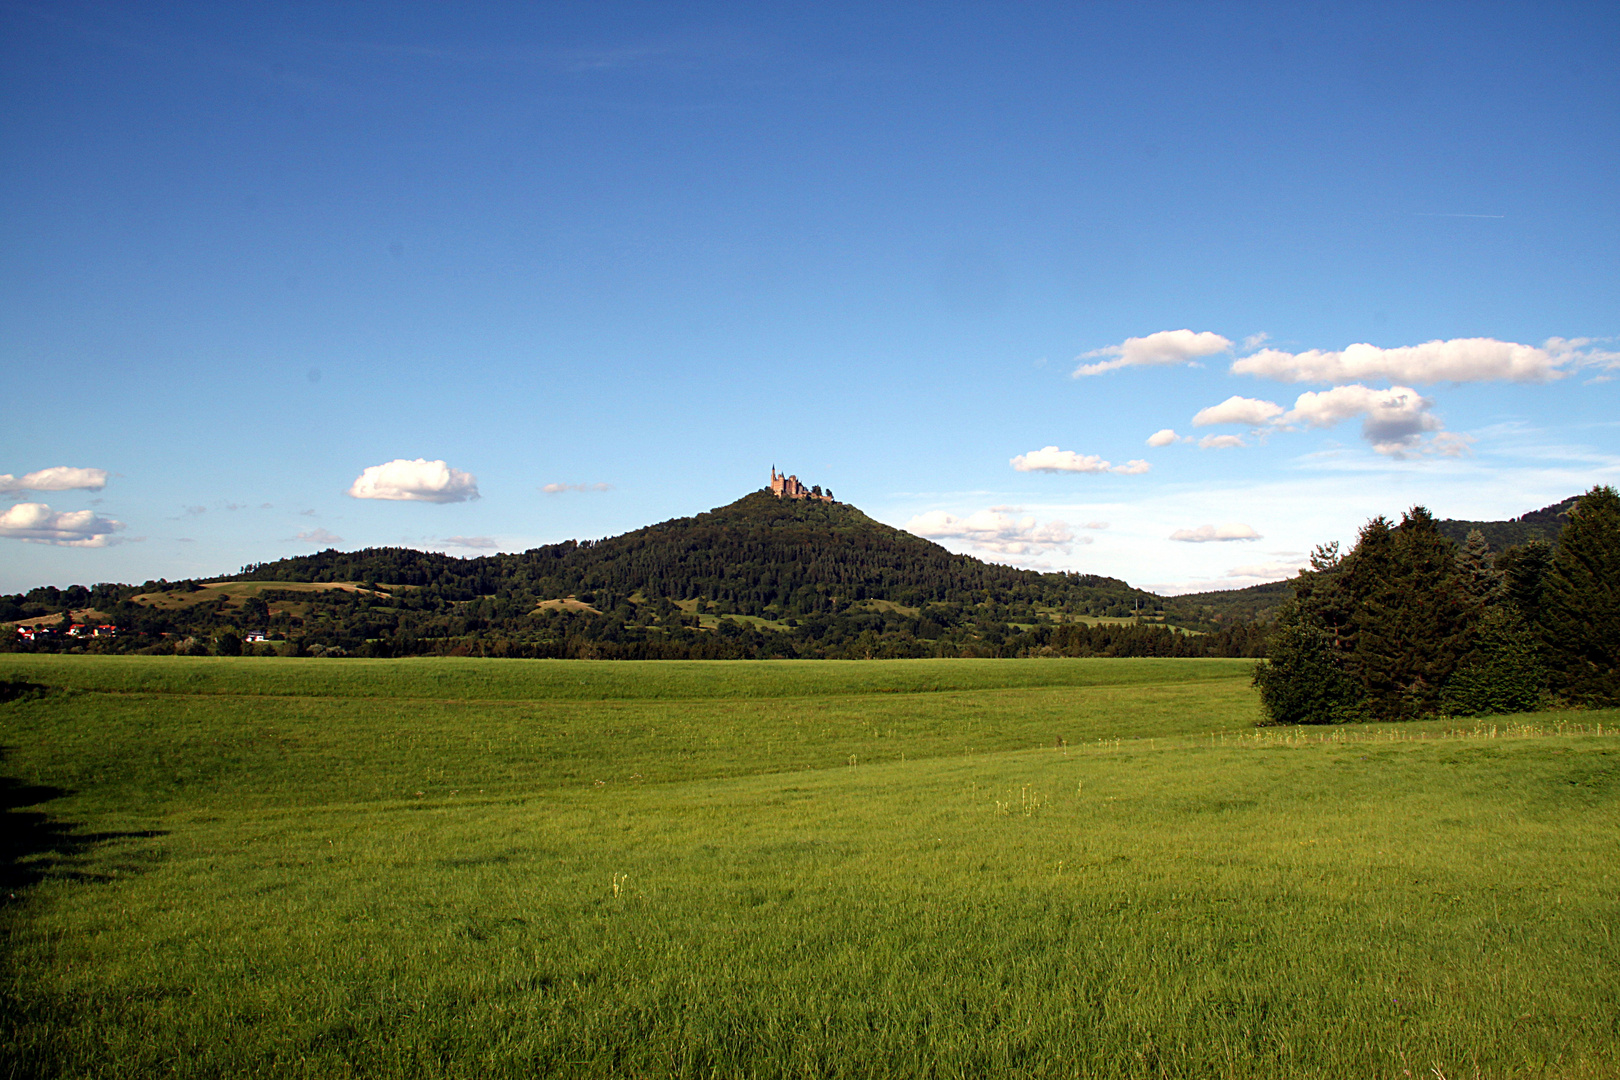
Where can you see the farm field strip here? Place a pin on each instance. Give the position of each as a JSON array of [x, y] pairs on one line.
[[462, 679]]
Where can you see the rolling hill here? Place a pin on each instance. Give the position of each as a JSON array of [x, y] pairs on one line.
[[757, 556]]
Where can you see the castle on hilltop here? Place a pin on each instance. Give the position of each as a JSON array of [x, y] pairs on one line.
[[788, 487]]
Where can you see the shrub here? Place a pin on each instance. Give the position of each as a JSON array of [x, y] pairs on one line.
[[1304, 682]]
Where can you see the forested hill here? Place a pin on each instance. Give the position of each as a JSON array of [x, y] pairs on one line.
[[1544, 524], [760, 556], [762, 577], [1256, 603]]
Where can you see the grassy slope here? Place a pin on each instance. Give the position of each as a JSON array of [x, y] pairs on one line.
[[237, 591], [329, 868]]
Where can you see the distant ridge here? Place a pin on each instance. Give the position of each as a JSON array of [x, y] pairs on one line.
[[1544, 524], [1251, 603]]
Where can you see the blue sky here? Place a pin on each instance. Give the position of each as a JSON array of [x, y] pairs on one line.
[[640, 253]]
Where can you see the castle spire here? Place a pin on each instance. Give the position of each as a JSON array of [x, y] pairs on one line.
[[784, 486]]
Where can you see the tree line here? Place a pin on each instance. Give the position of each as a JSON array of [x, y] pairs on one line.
[[1410, 624]]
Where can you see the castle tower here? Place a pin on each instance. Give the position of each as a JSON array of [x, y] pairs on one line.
[[789, 487]]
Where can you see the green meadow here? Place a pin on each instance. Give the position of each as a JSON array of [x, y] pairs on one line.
[[460, 868]]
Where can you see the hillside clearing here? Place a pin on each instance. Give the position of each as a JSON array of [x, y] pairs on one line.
[[566, 603], [237, 591]]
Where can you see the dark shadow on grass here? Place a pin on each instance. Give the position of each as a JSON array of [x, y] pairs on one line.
[[35, 846], [27, 834]]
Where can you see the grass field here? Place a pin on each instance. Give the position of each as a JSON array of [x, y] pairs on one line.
[[919, 868]]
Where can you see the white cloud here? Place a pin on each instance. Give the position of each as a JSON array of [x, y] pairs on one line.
[[36, 523], [1254, 341], [1050, 459], [1239, 577], [1457, 360], [991, 530], [474, 543], [1095, 525], [56, 478], [1238, 410], [1164, 347], [1267, 571], [558, 489], [320, 536], [1451, 444], [415, 481], [1206, 533], [1162, 437], [1394, 420], [1580, 351]]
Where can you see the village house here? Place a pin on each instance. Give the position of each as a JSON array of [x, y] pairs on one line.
[[35, 631]]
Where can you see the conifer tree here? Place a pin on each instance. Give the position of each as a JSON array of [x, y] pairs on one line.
[[1524, 573], [1305, 679], [1397, 617], [1436, 613], [1322, 592], [1373, 598], [1580, 609], [1478, 568], [1505, 671]]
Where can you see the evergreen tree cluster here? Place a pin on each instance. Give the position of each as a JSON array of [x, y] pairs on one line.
[[1409, 623]]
